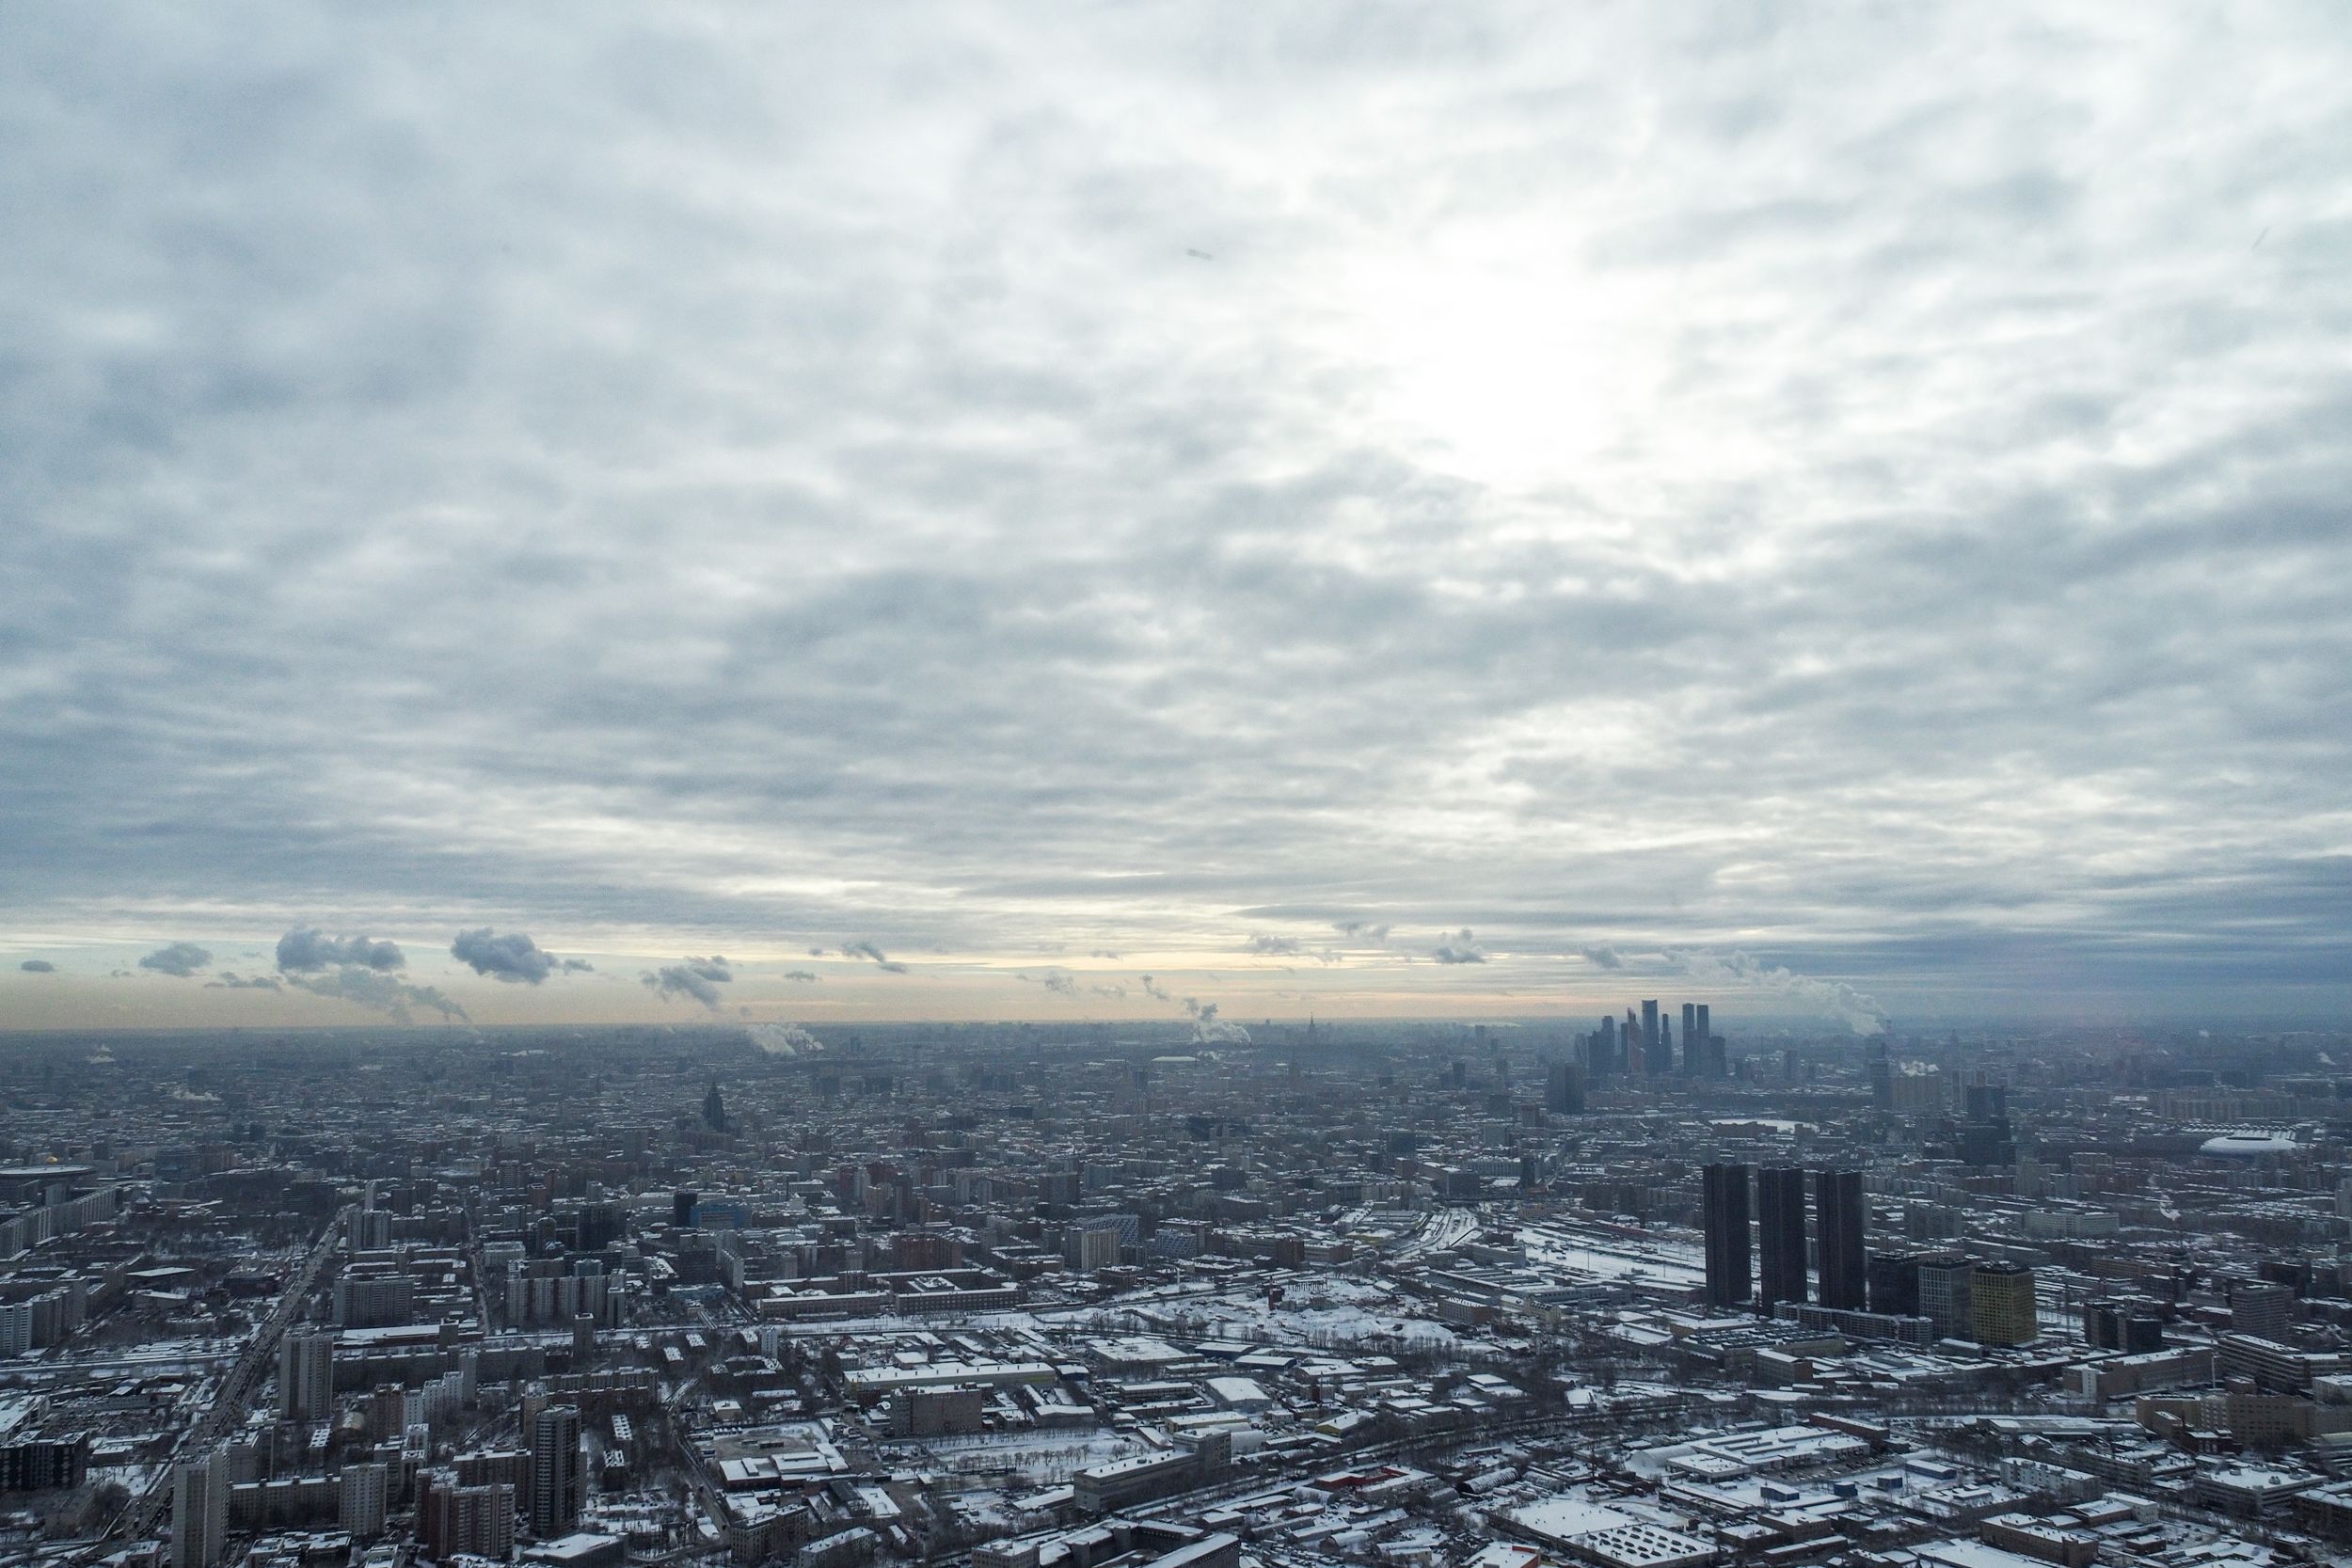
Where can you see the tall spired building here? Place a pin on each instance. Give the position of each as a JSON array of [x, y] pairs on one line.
[[714, 1109]]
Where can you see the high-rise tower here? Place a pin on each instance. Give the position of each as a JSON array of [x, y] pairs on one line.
[[555, 1477], [1839, 1214], [199, 1510], [1724, 1201], [1780, 1235]]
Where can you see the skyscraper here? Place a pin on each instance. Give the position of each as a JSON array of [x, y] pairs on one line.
[[1780, 1236], [1723, 1203], [1564, 1089], [306, 1375], [1712, 1059], [555, 1477], [1653, 1059], [1693, 1052], [199, 1510], [1838, 1213]]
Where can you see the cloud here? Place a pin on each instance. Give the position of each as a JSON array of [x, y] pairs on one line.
[[1601, 958], [1459, 948], [371, 987], [803, 977], [868, 951], [1104, 953], [1357, 929], [38, 966], [697, 979], [577, 966], [1272, 946], [513, 958], [1782, 505], [230, 980], [306, 949], [181, 959], [1152, 989]]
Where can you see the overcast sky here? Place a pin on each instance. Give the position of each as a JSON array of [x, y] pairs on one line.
[[1447, 509]]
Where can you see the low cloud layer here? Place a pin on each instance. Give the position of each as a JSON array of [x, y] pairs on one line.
[[872, 955], [306, 949], [513, 958], [38, 966], [1459, 948], [696, 979], [180, 959], [1630, 481]]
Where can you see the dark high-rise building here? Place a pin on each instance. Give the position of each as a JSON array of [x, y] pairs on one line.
[[1710, 1051], [555, 1474], [1881, 1076], [1692, 1048], [600, 1223], [1608, 1058], [2129, 1325], [1894, 1281], [1837, 1215], [1564, 1089], [1723, 1202], [1983, 1137], [1780, 1236], [714, 1109], [1653, 1058]]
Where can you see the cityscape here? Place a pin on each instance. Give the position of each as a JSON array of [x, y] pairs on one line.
[[1018, 1295], [1187, 784]]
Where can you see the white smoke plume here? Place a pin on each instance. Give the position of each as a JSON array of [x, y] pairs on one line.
[[1832, 998]]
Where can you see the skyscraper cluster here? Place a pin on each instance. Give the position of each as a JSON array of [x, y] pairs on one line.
[[1642, 1045], [1838, 1210]]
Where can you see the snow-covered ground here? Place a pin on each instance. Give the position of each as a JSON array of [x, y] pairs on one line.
[[1334, 1313]]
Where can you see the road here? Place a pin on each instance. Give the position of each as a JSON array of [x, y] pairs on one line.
[[138, 1518]]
